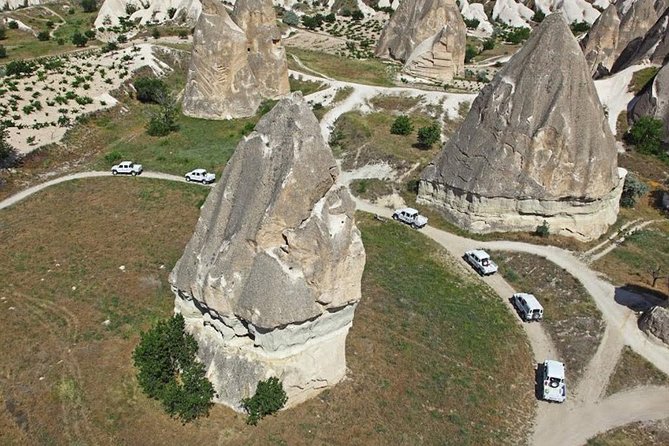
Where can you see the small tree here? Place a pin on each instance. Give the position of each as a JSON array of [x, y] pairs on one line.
[[169, 372], [13, 24], [155, 33], [290, 18], [3, 52], [633, 189], [79, 39], [544, 229], [646, 134], [538, 17], [88, 5], [150, 89], [165, 121], [43, 36], [402, 126], [90, 34], [488, 44], [470, 53], [268, 399], [357, 14], [7, 151], [428, 136], [171, 12], [3, 33], [472, 23]]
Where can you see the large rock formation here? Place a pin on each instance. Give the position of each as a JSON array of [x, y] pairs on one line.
[[270, 280], [181, 12], [654, 101], [653, 48], [535, 146], [428, 36], [237, 61], [622, 25], [656, 322]]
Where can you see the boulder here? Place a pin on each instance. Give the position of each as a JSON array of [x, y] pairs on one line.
[[655, 322], [270, 280], [599, 45], [654, 101], [237, 61], [535, 146], [428, 36]]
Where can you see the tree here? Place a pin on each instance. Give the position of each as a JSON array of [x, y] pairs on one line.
[[544, 229], [19, 67], [171, 12], [3, 33], [88, 5], [290, 18], [90, 34], [428, 136], [164, 121], [647, 134], [3, 52], [268, 399], [633, 189], [470, 53], [150, 89], [357, 15], [79, 39], [13, 24], [43, 36], [472, 23], [402, 126], [7, 152], [169, 372], [155, 33], [538, 17], [656, 274], [488, 44]]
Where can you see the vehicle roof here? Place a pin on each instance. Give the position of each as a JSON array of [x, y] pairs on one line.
[[126, 162], [554, 369], [199, 170], [411, 210], [481, 254], [532, 301]]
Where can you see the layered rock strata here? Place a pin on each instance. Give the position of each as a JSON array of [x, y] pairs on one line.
[[238, 60], [428, 36], [535, 146], [270, 280]]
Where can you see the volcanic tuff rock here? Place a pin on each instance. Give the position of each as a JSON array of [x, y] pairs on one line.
[[535, 146], [186, 12], [428, 36], [270, 280], [654, 47], [654, 100], [237, 61], [656, 322]]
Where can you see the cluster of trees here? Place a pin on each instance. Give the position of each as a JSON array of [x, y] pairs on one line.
[[7, 152], [154, 90], [427, 136]]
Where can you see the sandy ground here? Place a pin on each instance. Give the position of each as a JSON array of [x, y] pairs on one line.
[[614, 95]]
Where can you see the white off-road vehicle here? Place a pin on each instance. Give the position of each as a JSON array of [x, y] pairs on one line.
[[201, 176], [481, 262], [127, 168], [528, 307], [411, 217], [554, 387]]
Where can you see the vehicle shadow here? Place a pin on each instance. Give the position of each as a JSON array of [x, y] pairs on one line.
[[639, 298], [538, 381]]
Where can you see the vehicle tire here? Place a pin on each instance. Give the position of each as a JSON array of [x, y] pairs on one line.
[[133, 173], [396, 217], [114, 172], [413, 225], [187, 179]]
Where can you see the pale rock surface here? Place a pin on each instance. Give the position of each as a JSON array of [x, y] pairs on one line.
[[428, 36], [653, 48], [654, 101], [237, 61], [599, 45], [270, 280], [656, 323], [149, 11], [535, 146], [512, 13], [475, 11]]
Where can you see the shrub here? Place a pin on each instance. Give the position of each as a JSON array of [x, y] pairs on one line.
[[171, 12], [122, 38], [472, 23], [169, 372], [402, 126], [130, 9], [579, 27], [290, 18], [19, 68], [79, 39], [488, 44], [3, 52], [268, 399], [155, 33], [633, 189], [13, 24], [88, 5], [43, 36], [150, 89], [312, 22], [3, 33], [470, 53], [544, 229], [90, 34], [646, 134], [165, 121], [60, 41], [428, 136], [538, 17], [357, 14], [7, 152], [113, 156], [517, 35], [109, 46], [183, 34]]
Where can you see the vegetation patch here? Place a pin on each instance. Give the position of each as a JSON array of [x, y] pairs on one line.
[[371, 188], [306, 87], [633, 370], [268, 399], [641, 78], [571, 318], [642, 433]]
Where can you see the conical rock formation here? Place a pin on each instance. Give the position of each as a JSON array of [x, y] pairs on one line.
[[270, 280], [237, 61], [535, 146], [428, 36], [653, 48]]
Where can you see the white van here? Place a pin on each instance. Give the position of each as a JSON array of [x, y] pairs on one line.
[[528, 307]]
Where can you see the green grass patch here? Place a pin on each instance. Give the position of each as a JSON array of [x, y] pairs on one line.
[[633, 370], [647, 433], [641, 78], [370, 71], [371, 188], [306, 87]]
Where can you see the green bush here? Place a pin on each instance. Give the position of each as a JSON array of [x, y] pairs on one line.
[[402, 126], [633, 189], [290, 18], [79, 39], [13, 24], [88, 5], [150, 89], [43, 36], [470, 53], [579, 27], [488, 44], [19, 68], [3, 33], [538, 17], [544, 229], [90, 34], [268, 399], [428, 136], [164, 121], [7, 152], [171, 12], [169, 372], [517, 35], [357, 14], [3, 52], [113, 156], [647, 134], [472, 23], [122, 38], [155, 33]]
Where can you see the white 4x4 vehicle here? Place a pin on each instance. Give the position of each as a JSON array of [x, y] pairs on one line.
[[554, 387], [528, 307], [201, 176], [411, 217], [128, 168], [481, 262]]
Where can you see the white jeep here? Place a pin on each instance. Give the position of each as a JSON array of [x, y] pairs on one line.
[[554, 387], [128, 168], [481, 262], [201, 176], [411, 217], [528, 307]]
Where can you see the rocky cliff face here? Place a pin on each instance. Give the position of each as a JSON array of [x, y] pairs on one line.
[[428, 36], [620, 28], [186, 12], [535, 145], [654, 101], [237, 61], [653, 47], [656, 323], [271, 277]]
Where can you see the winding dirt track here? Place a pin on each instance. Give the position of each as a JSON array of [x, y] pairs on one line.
[[585, 413]]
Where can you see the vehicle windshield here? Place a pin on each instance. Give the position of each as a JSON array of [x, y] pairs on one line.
[[554, 382]]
